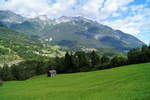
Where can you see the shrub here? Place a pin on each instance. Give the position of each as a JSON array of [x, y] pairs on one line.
[[118, 61]]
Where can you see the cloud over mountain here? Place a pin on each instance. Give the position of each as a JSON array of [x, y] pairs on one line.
[[131, 16]]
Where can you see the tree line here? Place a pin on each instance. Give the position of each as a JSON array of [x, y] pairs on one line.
[[73, 62]]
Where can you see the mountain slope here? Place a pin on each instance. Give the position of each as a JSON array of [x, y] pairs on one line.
[[32, 27], [8, 17], [123, 83], [17, 46], [76, 33], [81, 32]]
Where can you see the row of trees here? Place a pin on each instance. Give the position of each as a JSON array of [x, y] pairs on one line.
[[23, 70], [139, 55], [81, 62], [73, 62]]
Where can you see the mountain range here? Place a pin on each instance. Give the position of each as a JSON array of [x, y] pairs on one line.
[[72, 32]]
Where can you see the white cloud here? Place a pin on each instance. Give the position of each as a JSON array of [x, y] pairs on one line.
[[112, 6], [26, 7], [115, 14], [134, 24], [91, 7], [61, 7], [137, 7], [99, 9], [37, 7]]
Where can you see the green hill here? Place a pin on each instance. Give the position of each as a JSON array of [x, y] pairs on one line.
[[123, 83], [15, 47]]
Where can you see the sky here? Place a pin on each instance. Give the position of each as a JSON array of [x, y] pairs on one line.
[[129, 16]]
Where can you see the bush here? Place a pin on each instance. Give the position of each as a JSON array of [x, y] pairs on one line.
[[4, 51], [118, 61]]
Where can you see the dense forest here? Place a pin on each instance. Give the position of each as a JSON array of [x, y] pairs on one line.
[[73, 62]]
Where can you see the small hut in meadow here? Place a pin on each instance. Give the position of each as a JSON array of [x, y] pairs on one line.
[[51, 73]]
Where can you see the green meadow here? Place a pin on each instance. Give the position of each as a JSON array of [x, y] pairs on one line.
[[123, 83]]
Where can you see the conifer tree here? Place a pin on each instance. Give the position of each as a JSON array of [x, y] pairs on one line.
[[95, 59], [6, 73], [105, 59]]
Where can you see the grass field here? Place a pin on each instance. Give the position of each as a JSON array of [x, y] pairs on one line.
[[123, 83]]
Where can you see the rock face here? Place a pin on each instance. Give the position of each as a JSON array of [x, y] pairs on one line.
[[73, 32], [10, 17]]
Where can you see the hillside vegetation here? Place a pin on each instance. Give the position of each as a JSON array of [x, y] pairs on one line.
[[15, 46], [123, 83]]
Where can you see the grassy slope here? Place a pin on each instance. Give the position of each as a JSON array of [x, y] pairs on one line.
[[15, 46], [124, 83]]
